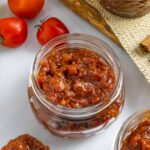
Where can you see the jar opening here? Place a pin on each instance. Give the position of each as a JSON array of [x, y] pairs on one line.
[[78, 41]]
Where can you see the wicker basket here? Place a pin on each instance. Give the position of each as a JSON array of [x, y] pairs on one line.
[[127, 8]]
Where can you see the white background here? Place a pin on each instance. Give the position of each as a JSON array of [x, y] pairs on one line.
[[15, 114]]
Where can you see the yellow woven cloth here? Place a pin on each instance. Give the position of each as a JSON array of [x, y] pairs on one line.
[[130, 32]]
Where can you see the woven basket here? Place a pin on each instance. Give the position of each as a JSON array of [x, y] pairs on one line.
[[127, 8]]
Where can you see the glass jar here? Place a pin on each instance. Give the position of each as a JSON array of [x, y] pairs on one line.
[[127, 8], [138, 121], [77, 122]]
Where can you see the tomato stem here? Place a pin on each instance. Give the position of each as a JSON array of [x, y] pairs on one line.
[[42, 20], [1, 39], [37, 26]]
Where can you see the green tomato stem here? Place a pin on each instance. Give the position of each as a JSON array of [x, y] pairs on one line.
[[1, 39], [37, 26], [44, 19]]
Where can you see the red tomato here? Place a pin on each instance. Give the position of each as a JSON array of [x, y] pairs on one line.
[[26, 8], [13, 31], [50, 29]]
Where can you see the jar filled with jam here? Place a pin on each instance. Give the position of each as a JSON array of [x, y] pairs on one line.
[[76, 86], [135, 133], [127, 8]]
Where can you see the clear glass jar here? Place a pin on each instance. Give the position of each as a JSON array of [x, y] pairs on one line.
[[77, 122], [127, 8], [130, 126]]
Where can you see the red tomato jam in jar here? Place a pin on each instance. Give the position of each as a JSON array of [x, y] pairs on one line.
[[76, 87], [135, 133], [75, 77]]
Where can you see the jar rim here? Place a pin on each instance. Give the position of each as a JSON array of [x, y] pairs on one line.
[[140, 115], [77, 112]]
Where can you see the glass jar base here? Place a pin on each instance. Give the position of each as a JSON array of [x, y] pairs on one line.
[[52, 123]]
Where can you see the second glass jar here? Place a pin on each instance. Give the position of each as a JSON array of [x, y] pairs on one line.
[[134, 133], [77, 122]]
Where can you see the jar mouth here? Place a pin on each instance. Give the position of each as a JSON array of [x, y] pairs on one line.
[[130, 124], [80, 39]]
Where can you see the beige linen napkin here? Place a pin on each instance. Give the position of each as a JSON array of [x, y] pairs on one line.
[[130, 33]]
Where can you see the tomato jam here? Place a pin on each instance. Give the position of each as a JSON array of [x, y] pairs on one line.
[[25, 142], [139, 138], [76, 87], [75, 78]]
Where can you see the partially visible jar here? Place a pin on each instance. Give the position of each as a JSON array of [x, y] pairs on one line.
[[77, 122], [134, 133], [127, 8]]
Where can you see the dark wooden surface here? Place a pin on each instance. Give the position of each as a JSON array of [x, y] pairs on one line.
[[92, 16]]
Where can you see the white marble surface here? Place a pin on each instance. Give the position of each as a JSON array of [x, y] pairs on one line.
[[15, 114]]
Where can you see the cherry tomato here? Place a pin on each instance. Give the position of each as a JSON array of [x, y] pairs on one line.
[[26, 8], [49, 29], [13, 31]]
